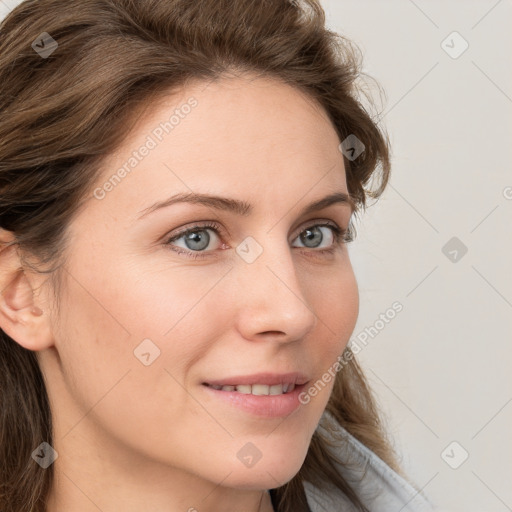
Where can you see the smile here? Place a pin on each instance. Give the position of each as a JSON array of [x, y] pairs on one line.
[[256, 389]]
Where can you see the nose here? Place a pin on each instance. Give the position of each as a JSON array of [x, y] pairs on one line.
[[272, 302]]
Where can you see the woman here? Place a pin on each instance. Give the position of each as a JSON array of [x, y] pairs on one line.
[[177, 185]]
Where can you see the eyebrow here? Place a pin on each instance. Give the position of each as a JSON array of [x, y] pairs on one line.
[[240, 207]]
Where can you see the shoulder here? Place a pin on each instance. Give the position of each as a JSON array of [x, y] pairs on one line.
[[378, 486]]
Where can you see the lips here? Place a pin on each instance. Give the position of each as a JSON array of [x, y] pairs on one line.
[[252, 398]]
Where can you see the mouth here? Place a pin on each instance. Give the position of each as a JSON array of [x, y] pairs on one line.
[[260, 383], [278, 399], [261, 394], [255, 389]]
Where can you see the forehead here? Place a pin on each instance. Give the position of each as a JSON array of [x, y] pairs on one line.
[[247, 133], [243, 112]]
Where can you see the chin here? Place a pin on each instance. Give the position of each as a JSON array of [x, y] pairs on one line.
[[267, 478], [267, 473]]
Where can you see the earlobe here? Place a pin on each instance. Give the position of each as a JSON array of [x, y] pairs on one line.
[[20, 317]]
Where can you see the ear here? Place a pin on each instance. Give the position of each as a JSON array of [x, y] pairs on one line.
[[23, 314]]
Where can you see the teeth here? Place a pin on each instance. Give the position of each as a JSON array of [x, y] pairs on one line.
[[260, 389], [278, 389], [257, 389]]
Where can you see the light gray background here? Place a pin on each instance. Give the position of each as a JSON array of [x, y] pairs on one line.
[[441, 367]]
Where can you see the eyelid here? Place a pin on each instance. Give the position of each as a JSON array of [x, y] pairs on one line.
[[316, 222], [196, 226]]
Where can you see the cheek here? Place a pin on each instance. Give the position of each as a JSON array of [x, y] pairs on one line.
[[107, 384], [337, 308], [164, 298], [94, 346], [336, 304], [149, 327]]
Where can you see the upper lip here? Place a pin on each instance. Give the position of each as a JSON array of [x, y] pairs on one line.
[[270, 379]]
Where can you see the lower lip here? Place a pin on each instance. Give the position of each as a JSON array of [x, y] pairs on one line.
[[269, 406]]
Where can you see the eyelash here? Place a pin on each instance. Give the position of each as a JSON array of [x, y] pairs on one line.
[[341, 236]]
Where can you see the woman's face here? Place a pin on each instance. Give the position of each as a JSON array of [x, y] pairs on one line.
[[146, 321]]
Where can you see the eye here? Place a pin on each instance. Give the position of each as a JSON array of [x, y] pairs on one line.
[[313, 236], [194, 239]]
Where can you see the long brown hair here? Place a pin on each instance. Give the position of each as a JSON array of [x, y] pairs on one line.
[[63, 111]]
